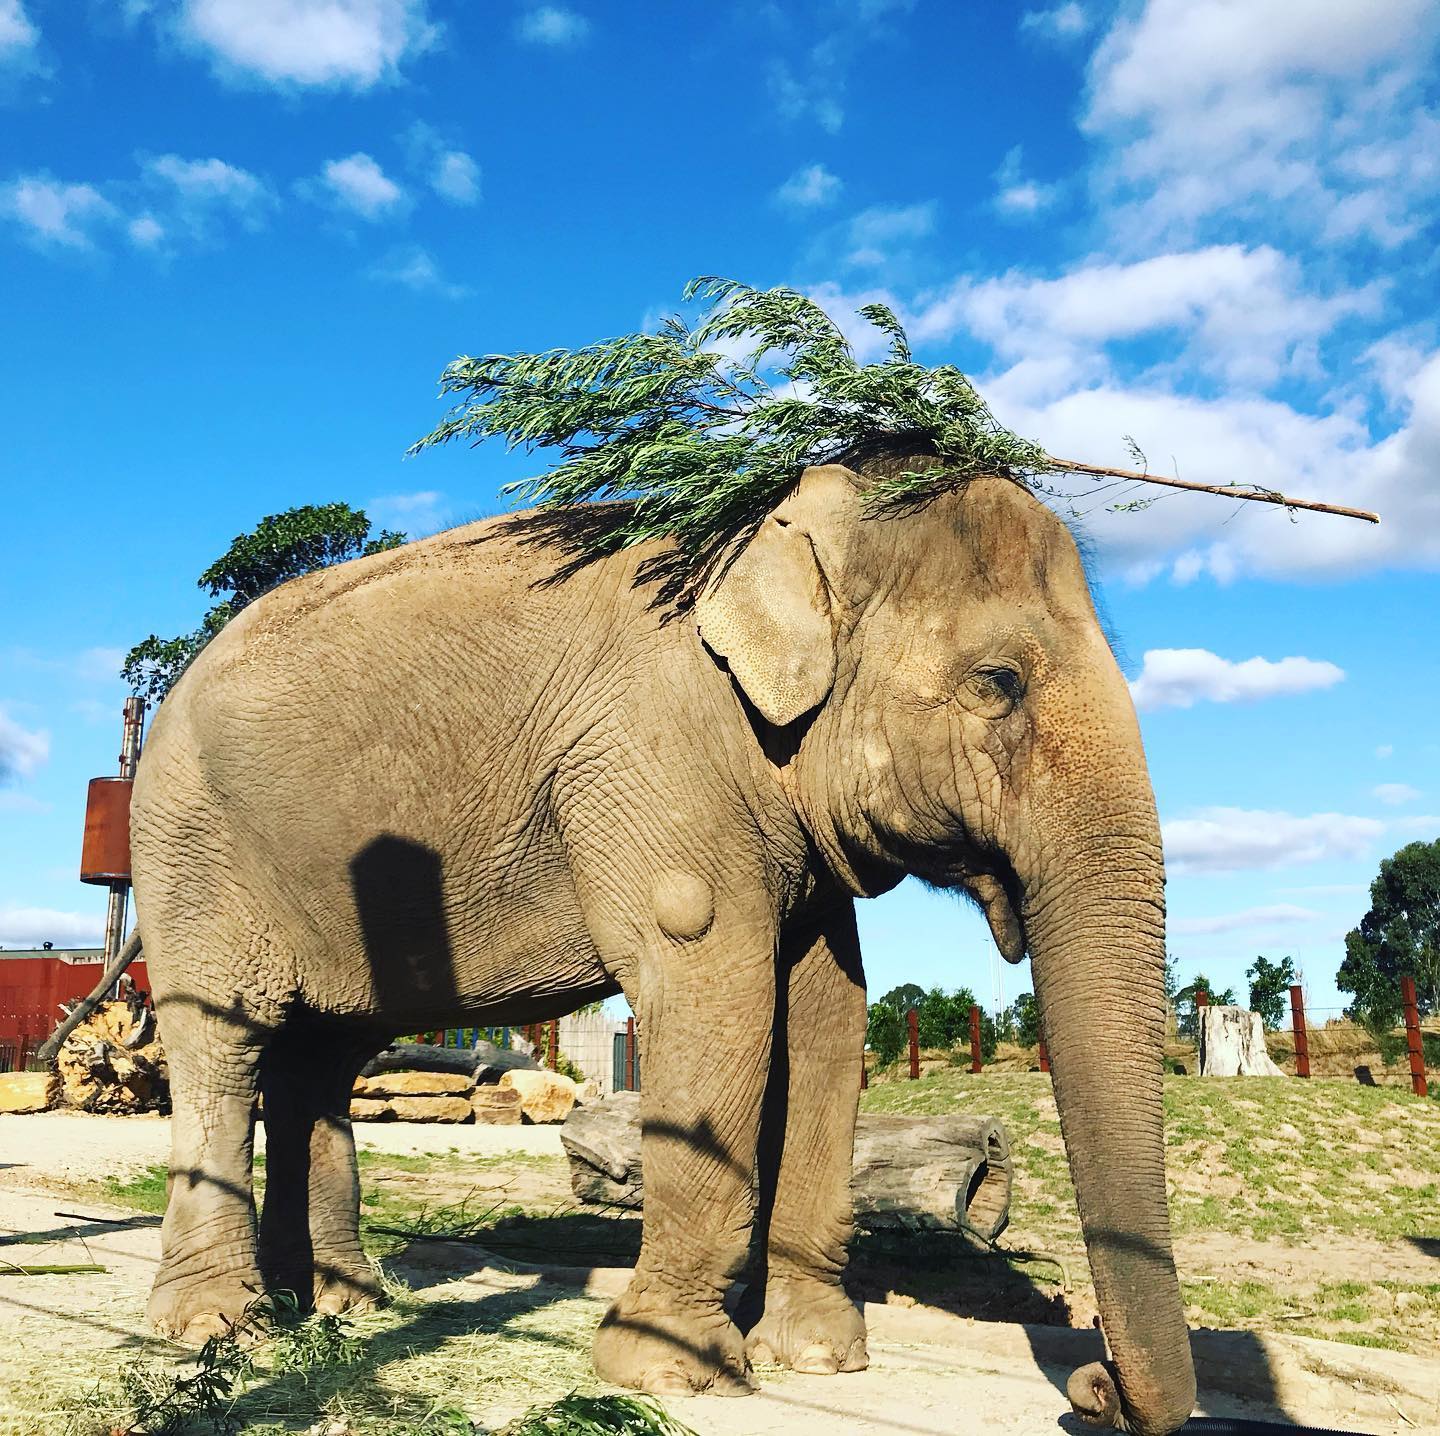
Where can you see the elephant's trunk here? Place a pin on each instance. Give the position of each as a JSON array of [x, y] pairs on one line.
[[1095, 925]]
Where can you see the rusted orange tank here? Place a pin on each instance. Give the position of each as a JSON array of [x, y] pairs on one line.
[[105, 856]]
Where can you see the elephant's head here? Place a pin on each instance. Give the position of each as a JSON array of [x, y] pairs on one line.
[[938, 698]]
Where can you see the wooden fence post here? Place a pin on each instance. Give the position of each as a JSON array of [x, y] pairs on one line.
[[1044, 1054], [1418, 1085], [864, 1073], [629, 1054], [912, 1021], [1302, 1038], [974, 1037], [553, 1060]]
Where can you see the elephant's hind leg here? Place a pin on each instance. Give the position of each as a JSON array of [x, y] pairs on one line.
[[310, 1223], [208, 1273]]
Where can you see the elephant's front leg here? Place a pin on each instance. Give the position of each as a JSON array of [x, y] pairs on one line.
[[799, 1314], [704, 993]]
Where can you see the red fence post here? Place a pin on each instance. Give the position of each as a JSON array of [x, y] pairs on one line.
[[554, 1059], [1202, 998], [912, 1021], [864, 1073], [974, 1037], [1418, 1084], [1044, 1054], [629, 1054], [1302, 1038]]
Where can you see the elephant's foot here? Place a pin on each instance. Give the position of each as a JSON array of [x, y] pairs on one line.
[[351, 1287], [809, 1326], [651, 1342], [192, 1313]]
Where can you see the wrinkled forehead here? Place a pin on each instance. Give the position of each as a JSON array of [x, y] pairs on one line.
[[992, 538]]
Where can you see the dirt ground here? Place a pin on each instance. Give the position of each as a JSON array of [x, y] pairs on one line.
[[927, 1364]]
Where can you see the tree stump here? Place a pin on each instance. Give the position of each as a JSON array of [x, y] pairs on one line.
[[1232, 1044], [950, 1173], [113, 1062]]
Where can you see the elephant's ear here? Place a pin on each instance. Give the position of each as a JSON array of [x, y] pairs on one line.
[[767, 613]]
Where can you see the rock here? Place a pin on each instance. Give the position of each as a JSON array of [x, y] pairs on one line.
[[113, 1061], [27, 1091], [370, 1109], [497, 1106], [414, 1084], [1232, 1044], [492, 1062], [544, 1096], [430, 1109], [589, 1091]]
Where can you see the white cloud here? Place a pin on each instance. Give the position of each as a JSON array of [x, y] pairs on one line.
[[552, 25], [32, 926], [1064, 22], [1244, 313], [809, 188], [1221, 840], [815, 97], [456, 177], [22, 750], [1385, 750], [18, 34], [415, 514], [1253, 918], [196, 192], [145, 231], [1314, 116], [352, 43], [51, 212], [1017, 197], [1395, 794], [876, 234], [416, 268], [1425, 825], [358, 184], [1182, 677]]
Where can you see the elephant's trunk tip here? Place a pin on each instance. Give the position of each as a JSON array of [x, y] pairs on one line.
[[1094, 1396]]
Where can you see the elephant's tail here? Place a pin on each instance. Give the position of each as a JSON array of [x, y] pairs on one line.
[[82, 1009]]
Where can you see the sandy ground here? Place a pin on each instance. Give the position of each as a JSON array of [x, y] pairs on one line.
[[931, 1373], [78, 1147]]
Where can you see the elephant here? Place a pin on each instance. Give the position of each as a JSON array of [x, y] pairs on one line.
[[475, 780]]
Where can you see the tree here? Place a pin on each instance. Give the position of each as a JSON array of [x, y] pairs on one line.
[[1027, 1020], [1398, 937], [904, 997], [1186, 1006], [1269, 985], [885, 1033], [280, 547]]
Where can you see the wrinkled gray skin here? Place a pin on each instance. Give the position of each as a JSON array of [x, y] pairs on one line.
[[428, 787]]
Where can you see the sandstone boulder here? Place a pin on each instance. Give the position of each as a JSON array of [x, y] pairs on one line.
[[497, 1106], [370, 1109], [27, 1091], [414, 1084], [430, 1109], [112, 1061], [544, 1096]]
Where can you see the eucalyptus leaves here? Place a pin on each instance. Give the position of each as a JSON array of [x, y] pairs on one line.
[[703, 429]]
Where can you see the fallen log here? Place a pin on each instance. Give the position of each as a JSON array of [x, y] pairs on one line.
[[482, 1063], [950, 1173]]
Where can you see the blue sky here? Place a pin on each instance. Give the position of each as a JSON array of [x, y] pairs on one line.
[[240, 238]]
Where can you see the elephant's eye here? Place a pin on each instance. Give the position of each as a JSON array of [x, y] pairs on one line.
[[999, 687]]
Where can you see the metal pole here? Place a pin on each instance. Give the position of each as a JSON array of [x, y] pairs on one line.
[[131, 734], [1298, 1032], [1413, 1043]]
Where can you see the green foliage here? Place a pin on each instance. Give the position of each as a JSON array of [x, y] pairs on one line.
[[280, 547], [1398, 937], [1025, 1013], [1269, 987], [885, 1033], [577, 1415], [904, 997], [683, 424], [1186, 1006]]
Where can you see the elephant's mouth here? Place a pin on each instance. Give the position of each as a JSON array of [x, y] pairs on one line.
[[992, 883]]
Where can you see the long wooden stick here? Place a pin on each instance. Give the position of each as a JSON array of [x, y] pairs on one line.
[[1261, 496]]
